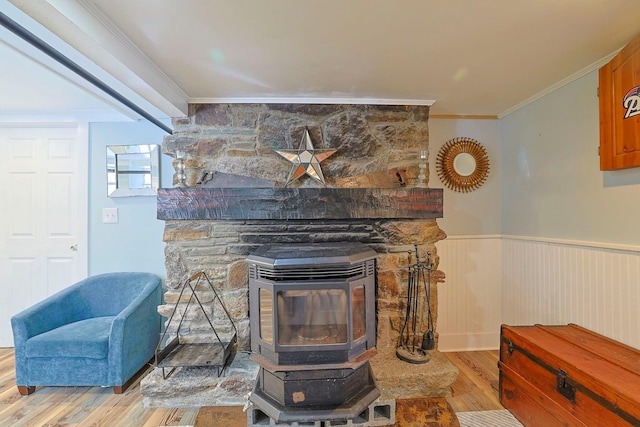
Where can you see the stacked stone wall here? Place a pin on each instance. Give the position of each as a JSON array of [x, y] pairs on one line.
[[240, 139]]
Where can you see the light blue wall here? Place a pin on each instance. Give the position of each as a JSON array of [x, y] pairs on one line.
[[135, 242], [552, 186], [477, 212]]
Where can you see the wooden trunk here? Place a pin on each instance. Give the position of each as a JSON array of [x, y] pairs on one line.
[[568, 376]]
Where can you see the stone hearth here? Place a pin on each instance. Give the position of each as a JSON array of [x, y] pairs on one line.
[[401, 379], [214, 229], [195, 387]]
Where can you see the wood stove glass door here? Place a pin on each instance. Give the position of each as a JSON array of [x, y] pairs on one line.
[[312, 317], [358, 311], [266, 315]]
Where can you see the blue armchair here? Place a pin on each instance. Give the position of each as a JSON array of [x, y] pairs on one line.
[[97, 332]]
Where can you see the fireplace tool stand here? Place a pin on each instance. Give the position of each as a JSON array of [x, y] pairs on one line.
[[416, 338], [215, 354]]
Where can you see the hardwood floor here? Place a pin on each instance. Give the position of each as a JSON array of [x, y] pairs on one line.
[[79, 406], [476, 389]]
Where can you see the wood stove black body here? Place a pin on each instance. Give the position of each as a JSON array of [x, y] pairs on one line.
[[313, 329]]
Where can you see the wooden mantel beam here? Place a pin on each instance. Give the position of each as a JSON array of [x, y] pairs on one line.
[[298, 203]]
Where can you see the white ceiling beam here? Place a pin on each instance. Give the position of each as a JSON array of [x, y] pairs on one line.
[[87, 37]]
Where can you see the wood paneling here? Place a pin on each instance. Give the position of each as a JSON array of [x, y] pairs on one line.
[[469, 301], [558, 283], [499, 279]]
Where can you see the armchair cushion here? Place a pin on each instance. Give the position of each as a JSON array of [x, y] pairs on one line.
[[85, 338]]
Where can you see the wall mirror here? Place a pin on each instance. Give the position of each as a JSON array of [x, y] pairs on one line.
[[462, 164], [133, 170]]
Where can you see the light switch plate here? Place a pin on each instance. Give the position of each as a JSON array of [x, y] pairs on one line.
[[109, 215]]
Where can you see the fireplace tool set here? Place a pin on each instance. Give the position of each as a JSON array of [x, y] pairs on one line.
[[416, 338]]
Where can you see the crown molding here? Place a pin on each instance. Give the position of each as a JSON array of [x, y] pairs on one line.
[[311, 100], [575, 76]]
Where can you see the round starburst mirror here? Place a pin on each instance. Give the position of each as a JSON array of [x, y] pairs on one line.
[[462, 164]]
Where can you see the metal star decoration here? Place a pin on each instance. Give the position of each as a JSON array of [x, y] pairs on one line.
[[306, 160]]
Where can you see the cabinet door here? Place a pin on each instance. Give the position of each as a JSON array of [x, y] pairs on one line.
[[620, 109]]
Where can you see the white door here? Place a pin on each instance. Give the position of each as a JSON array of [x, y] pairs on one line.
[[43, 194]]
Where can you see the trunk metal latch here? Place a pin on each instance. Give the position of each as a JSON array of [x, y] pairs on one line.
[[564, 388]]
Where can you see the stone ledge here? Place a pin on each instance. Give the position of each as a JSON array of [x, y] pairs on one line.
[[196, 387], [398, 379]]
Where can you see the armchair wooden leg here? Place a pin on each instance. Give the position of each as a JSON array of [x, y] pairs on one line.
[[25, 390], [119, 389]]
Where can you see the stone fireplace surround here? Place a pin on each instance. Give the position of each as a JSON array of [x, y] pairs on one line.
[[213, 230]]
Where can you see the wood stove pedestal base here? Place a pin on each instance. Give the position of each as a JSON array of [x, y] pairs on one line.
[[302, 396]]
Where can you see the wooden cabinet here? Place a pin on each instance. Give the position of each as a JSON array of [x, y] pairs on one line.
[[620, 109]]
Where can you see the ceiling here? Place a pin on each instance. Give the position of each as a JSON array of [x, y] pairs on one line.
[[475, 58]]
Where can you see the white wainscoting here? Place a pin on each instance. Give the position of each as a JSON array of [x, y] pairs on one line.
[[521, 281], [470, 300], [557, 282]]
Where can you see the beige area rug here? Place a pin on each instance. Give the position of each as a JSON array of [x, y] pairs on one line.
[[499, 418]]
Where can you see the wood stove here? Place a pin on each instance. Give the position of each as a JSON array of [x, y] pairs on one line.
[[313, 329]]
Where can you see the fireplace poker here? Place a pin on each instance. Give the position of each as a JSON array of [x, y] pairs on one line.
[[419, 308], [428, 340], [405, 325]]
